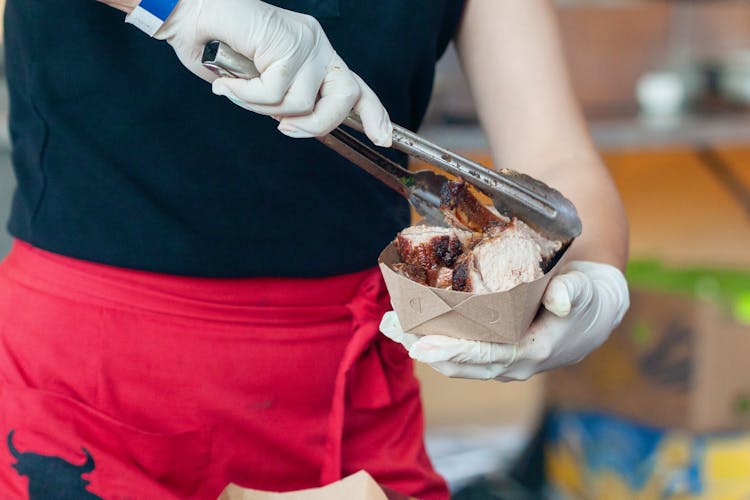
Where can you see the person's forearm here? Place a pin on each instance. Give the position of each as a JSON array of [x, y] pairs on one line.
[[126, 6], [512, 57], [583, 178]]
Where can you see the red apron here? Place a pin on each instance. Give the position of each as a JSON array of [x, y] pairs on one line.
[[123, 384]]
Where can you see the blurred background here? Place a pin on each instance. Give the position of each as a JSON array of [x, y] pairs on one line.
[[661, 411]]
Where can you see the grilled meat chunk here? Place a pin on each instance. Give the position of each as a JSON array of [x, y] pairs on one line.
[[493, 254], [430, 247], [414, 273], [466, 276], [429, 253], [508, 260], [499, 263], [547, 248], [462, 209], [441, 277]]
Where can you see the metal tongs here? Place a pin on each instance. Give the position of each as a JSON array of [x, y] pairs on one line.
[[512, 193]]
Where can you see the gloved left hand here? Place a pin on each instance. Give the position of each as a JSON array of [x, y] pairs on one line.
[[582, 306]]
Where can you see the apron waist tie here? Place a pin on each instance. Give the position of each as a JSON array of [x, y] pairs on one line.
[[361, 376]]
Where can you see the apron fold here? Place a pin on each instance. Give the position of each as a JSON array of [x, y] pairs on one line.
[[361, 378]]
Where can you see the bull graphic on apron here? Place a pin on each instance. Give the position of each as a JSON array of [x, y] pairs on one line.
[[52, 478]]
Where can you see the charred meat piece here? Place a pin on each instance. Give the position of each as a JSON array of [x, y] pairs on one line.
[[499, 262], [441, 277], [431, 247], [466, 276], [462, 209], [484, 252], [429, 253], [412, 272]]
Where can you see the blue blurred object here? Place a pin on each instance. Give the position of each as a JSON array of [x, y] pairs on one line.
[[595, 455]]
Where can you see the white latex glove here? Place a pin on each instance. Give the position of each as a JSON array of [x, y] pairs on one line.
[[582, 306], [303, 82]]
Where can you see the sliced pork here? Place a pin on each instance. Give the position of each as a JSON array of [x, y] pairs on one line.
[[431, 247], [462, 209], [429, 253], [414, 273], [548, 248], [441, 277], [499, 263], [484, 253], [466, 275]]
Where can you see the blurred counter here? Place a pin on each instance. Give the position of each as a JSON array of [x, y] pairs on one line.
[[623, 134]]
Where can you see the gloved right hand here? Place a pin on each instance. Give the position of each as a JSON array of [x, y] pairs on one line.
[[303, 82], [582, 305]]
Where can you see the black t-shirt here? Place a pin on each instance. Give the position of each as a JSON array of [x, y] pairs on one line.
[[124, 157]]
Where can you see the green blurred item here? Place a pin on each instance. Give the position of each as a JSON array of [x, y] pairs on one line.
[[677, 361], [730, 288]]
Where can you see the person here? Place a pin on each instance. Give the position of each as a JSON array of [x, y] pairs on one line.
[[512, 58], [192, 298]]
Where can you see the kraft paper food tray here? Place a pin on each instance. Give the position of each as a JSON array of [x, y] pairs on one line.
[[493, 317], [359, 486]]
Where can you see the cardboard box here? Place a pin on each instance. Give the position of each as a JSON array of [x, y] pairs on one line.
[[675, 362], [594, 456], [493, 317], [680, 357]]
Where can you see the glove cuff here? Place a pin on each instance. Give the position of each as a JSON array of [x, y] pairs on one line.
[[150, 15]]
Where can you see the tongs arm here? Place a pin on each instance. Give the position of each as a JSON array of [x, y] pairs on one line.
[[422, 189], [385, 170], [512, 193]]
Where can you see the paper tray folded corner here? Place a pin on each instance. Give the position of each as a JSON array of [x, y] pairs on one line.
[[360, 486], [494, 317]]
